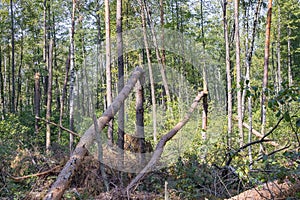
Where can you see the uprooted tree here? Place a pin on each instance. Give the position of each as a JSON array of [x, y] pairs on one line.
[[64, 178]]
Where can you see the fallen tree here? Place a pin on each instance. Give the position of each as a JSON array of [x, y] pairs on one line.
[[271, 190], [65, 176], [161, 144]]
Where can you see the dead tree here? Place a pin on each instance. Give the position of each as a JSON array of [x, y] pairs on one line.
[[163, 141], [64, 178]]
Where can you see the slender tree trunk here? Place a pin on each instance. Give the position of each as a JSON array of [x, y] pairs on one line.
[[37, 100], [266, 64], [45, 52], [49, 98], [140, 120], [63, 95], [249, 53], [120, 73], [108, 70], [2, 87], [153, 101], [278, 50], [205, 88], [12, 58], [18, 99], [290, 78], [159, 59], [228, 75], [162, 23], [72, 81], [238, 73]]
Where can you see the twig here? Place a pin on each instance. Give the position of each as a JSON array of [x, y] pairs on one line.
[[59, 126], [33, 175]]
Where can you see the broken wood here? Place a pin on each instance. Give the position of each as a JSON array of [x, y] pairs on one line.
[[17, 179], [59, 126], [161, 144], [259, 135], [64, 178], [271, 190]]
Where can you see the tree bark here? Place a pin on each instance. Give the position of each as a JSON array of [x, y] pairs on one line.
[[2, 87], [139, 109], [266, 64], [49, 98], [12, 58], [72, 81], [228, 74], [64, 178], [108, 70], [238, 73], [18, 99], [279, 49], [63, 95], [290, 77], [270, 190], [205, 87], [165, 138], [120, 74]]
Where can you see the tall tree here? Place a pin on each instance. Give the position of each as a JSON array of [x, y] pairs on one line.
[[205, 87], [72, 70], [266, 65], [2, 87], [12, 28], [49, 97], [279, 49], [238, 72], [120, 73], [228, 74], [108, 68]]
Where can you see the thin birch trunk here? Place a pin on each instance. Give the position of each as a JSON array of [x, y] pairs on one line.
[[228, 75], [49, 98], [108, 70], [238, 73], [72, 81]]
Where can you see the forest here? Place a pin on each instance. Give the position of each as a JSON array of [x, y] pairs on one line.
[[157, 99]]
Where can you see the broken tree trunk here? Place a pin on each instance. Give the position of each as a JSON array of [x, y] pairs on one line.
[[271, 190], [161, 144], [64, 178]]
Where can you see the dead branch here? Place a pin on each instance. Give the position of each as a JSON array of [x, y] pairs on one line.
[[64, 178], [59, 126], [161, 144], [17, 179], [259, 135]]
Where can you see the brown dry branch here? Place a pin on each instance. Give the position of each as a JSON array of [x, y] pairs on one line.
[[18, 179], [64, 178], [161, 144], [59, 126], [259, 135]]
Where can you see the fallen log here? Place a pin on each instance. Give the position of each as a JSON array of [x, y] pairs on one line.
[[161, 144], [64, 178], [271, 190]]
